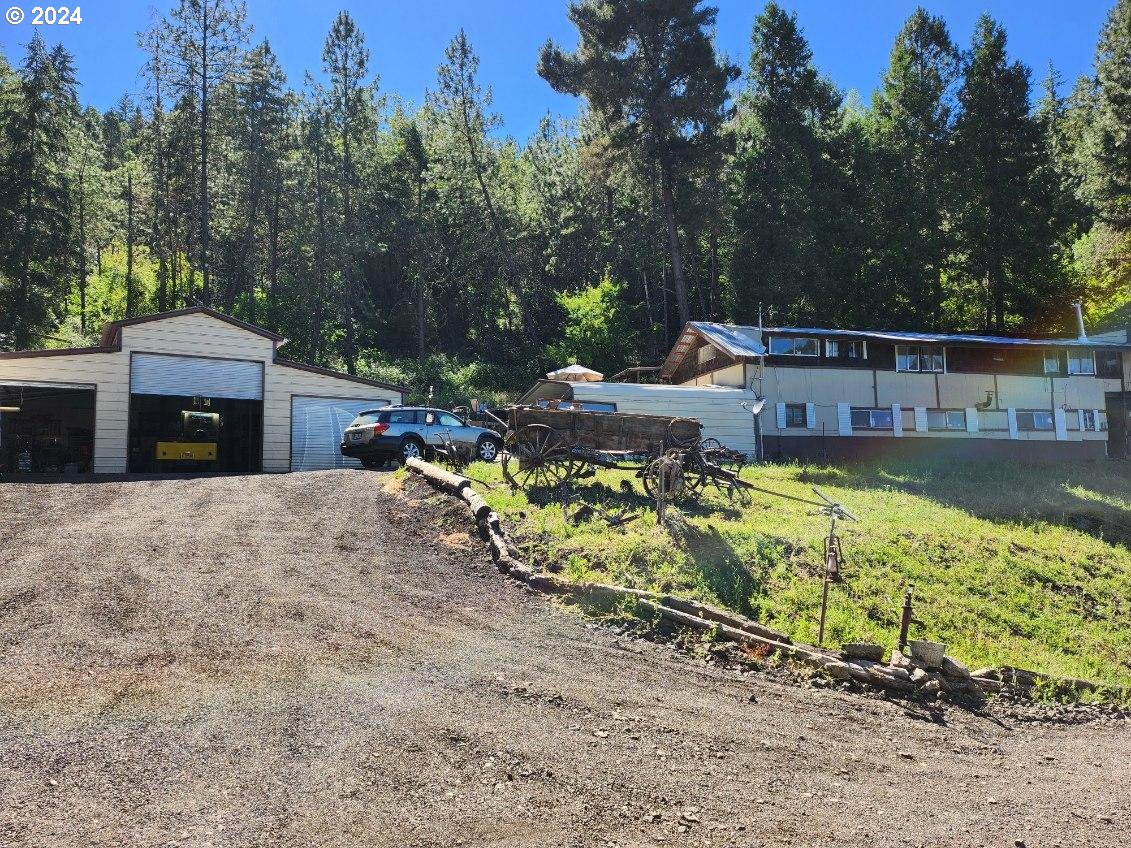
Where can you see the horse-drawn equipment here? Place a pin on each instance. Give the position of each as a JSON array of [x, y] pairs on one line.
[[548, 447]]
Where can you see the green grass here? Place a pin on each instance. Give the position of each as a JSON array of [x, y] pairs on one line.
[[1026, 565]]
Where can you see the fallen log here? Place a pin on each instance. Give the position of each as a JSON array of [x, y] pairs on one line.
[[442, 478]]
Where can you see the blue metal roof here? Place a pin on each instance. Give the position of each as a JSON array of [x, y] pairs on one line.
[[745, 341]]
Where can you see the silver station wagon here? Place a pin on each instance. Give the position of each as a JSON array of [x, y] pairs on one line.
[[402, 432]]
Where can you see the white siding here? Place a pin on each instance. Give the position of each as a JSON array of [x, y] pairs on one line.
[[284, 382], [779, 409], [920, 419], [896, 420], [971, 420], [197, 335], [810, 416], [1060, 423], [844, 419], [718, 409], [108, 374]]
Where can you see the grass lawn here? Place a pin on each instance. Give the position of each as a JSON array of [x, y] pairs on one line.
[[1027, 565]]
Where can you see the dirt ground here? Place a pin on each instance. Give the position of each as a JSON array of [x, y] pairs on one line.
[[309, 660]]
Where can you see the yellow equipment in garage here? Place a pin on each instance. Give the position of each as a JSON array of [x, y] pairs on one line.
[[200, 432]]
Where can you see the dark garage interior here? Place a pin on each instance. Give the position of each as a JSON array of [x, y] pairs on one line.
[[46, 429], [174, 434]]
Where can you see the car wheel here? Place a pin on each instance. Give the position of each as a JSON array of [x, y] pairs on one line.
[[412, 449], [487, 450]]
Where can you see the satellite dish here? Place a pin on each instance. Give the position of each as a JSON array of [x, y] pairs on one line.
[[756, 407]]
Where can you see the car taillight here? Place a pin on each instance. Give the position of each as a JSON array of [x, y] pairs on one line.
[[378, 429]]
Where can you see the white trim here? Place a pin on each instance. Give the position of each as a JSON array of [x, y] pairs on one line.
[[810, 416], [779, 411], [844, 419], [971, 420], [1011, 417], [1072, 373], [920, 419], [1096, 420], [1080, 420], [32, 384], [896, 420], [1060, 424]]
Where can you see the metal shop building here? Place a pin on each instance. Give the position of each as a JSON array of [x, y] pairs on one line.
[[188, 390]]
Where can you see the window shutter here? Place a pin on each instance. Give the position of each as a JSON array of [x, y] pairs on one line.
[[1060, 423], [780, 409], [1080, 419], [896, 420], [811, 416], [921, 419], [971, 420], [1096, 419], [1011, 416], [844, 419]]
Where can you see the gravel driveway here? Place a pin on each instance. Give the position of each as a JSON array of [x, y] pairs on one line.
[[310, 660]]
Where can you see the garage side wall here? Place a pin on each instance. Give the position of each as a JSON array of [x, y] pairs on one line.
[[280, 384], [108, 374]]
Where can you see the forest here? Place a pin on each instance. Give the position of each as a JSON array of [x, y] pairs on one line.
[[419, 243]]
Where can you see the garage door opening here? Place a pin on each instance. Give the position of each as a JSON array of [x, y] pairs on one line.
[[317, 424], [46, 429], [195, 414]]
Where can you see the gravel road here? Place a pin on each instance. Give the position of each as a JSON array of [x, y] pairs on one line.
[[312, 660]]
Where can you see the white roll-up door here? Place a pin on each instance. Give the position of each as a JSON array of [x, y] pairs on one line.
[[190, 376], [317, 425]]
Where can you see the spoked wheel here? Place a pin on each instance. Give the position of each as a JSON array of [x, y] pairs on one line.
[[536, 457], [665, 477]]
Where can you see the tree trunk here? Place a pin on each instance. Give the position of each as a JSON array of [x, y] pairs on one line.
[[82, 246], [131, 289], [678, 280], [205, 288], [320, 259]]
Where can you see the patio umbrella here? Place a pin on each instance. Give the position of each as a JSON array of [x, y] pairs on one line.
[[576, 374]]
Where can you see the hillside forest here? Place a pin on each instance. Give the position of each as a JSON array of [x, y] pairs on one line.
[[421, 244]]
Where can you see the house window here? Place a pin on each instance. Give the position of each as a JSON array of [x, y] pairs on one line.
[[926, 358], [1083, 362], [946, 419], [1052, 362], [871, 419], [1108, 364], [1035, 420], [795, 415], [846, 350], [1089, 419], [793, 347]]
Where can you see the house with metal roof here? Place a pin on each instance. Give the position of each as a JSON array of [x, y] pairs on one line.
[[830, 393]]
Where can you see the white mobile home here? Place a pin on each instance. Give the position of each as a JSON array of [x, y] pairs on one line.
[[718, 408]]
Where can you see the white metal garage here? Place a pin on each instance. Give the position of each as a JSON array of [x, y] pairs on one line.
[[147, 370], [317, 424]]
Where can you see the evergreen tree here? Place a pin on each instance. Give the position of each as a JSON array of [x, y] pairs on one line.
[[40, 110], [1112, 181], [785, 177], [912, 189], [650, 72]]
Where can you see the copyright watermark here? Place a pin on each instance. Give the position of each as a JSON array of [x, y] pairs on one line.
[[45, 15]]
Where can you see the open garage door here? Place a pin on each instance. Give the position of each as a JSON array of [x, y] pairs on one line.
[[46, 428], [317, 424]]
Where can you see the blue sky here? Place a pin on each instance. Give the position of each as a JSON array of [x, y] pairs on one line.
[[850, 40]]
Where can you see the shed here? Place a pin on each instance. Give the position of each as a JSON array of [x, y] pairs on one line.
[[188, 390], [718, 408]]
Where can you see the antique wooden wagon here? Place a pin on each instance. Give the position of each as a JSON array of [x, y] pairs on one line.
[[549, 447]]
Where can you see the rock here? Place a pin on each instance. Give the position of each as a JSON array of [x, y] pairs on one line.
[[899, 660], [953, 668], [919, 677], [930, 689], [862, 651], [907, 755], [837, 670]]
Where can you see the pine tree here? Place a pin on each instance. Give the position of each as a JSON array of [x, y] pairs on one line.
[[649, 71], [912, 191], [785, 177], [1111, 189], [35, 215], [1003, 217]]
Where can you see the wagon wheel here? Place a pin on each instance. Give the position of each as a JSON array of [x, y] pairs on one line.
[[676, 441], [665, 476], [536, 456], [710, 444]]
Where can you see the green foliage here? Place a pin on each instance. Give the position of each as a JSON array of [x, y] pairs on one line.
[[596, 328], [1027, 565]]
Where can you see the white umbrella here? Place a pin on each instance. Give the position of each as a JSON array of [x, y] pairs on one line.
[[576, 374]]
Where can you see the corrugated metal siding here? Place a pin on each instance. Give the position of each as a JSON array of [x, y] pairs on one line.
[[109, 374], [317, 425], [197, 335], [282, 383], [719, 410], [158, 374]]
